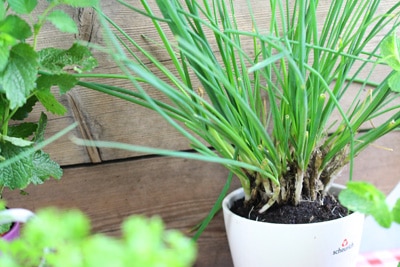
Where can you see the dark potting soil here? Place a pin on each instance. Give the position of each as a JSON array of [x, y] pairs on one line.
[[305, 212]]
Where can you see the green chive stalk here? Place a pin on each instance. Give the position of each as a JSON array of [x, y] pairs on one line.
[[263, 110]]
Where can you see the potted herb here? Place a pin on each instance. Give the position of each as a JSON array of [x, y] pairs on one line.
[[26, 77], [62, 238], [272, 112], [366, 198]]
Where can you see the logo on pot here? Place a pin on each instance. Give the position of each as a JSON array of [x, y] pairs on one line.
[[345, 246]]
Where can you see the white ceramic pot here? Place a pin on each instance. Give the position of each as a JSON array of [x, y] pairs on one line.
[[15, 216], [333, 243]]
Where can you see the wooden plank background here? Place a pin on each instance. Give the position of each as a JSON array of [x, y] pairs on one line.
[[110, 185]]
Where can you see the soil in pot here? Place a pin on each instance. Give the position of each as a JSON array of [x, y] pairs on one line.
[[306, 212]]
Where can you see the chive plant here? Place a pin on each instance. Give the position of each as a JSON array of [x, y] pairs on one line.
[[265, 111]]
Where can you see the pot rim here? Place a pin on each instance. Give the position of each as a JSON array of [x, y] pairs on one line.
[[239, 193]]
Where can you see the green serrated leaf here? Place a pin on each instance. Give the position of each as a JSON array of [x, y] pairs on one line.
[[50, 102], [62, 21], [394, 82], [52, 60], [19, 76], [22, 6], [58, 61], [82, 59], [17, 174], [390, 51], [16, 141], [12, 29], [366, 198], [396, 212], [23, 130], [16, 27], [44, 168], [4, 54], [35, 168], [65, 82], [24, 111], [41, 127]]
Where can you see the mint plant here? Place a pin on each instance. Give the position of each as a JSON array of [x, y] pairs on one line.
[[366, 198], [26, 77], [390, 52], [62, 238], [362, 196]]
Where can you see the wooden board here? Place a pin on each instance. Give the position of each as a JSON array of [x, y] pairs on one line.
[[180, 191], [106, 118], [378, 164]]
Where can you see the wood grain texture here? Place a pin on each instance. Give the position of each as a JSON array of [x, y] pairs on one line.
[[107, 118], [180, 191], [378, 164], [62, 150]]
